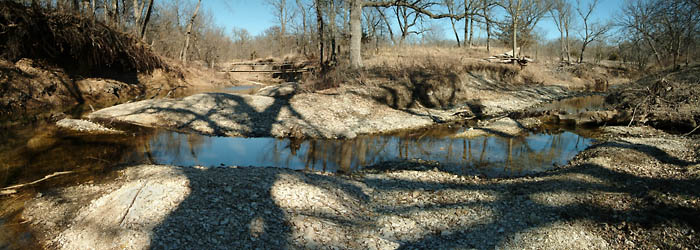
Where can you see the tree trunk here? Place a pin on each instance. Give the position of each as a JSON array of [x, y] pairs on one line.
[[656, 52], [471, 30], [454, 29], [189, 33], [332, 29], [388, 26], [115, 13], [583, 49], [515, 37], [137, 16], [466, 23], [105, 10], [356, 33], [319, 25], [562, 47], [568, 47], [145, 21], [303, 25], [488, 31]]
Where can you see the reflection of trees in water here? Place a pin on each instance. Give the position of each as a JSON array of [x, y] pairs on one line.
[[35, 154], [512, 155], [173, 146]]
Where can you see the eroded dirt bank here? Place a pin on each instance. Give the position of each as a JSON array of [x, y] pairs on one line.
[[637, 188]]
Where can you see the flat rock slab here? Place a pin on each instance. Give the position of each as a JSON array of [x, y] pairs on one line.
[[304, 115]]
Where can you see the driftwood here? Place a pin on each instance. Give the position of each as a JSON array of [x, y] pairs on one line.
[[13, 189], [692, 131]]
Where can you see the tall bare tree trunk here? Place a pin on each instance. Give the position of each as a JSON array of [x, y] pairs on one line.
[[189, 33], [466, 23], [145, 21], [471, 30], [303, 25], [454, 29], [332, 30], [488, 27], [356, 33], [105, 9], [319, 25], [516, 15], [115, 13], [515, 37], [568, 45]]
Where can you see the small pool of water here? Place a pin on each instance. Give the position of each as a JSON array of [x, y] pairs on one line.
[[575, 105], [242, 88]]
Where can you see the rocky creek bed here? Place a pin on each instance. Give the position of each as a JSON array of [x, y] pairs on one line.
[[636, 188]]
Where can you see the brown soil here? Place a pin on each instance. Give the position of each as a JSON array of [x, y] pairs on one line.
[[31, 88]]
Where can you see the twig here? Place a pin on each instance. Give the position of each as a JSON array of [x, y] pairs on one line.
[[121, 222], [635, 110], [692, 131], [7, 189], [98, 159]]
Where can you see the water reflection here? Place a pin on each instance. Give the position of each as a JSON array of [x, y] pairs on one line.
[[576, 105], [490, 155]]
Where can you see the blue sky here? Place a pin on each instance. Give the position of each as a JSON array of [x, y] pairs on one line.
[[256, 16]]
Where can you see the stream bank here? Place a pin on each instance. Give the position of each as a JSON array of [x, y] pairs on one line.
[[633, 188], [647, 199]]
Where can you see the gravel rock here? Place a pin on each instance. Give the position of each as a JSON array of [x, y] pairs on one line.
[[86, 126], [624, 192]]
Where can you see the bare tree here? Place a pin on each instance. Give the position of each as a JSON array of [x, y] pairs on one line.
[[469, 7], [388, 25], [356, 22], [407, 18], [189, 33], [302, 10], [319, 26], [561, 15], [284, 15], [356, 33], [148, 18], [525, 14], [486, 8], [665, 26], [591, 31], [452, 9]]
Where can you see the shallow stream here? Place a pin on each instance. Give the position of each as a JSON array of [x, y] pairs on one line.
[[29, 153]]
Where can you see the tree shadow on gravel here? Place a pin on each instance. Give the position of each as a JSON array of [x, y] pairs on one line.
[[226, 108], [635, 208], [242, 209]]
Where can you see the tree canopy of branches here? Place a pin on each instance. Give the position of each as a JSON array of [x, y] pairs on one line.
[[663, 28]]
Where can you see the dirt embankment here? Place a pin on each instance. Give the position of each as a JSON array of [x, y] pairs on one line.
[[668, 100], [647, 199], [74, 63]]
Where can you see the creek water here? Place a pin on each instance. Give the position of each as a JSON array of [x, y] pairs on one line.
[[28, 153]]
